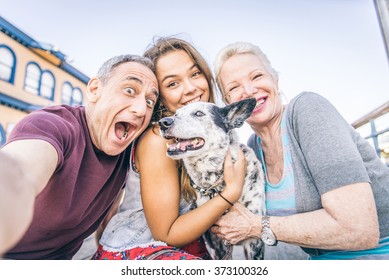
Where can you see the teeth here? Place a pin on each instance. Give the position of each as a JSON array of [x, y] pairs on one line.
[[194, 100], [167, 145], [125, 135], [195, 141], [178, 145], [260, 102]]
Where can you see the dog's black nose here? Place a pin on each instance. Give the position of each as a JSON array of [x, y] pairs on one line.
[[165, 123]]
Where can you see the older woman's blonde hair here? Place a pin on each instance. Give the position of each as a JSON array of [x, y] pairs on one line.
[[239, 48]]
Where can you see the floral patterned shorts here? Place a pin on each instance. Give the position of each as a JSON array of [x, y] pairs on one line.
[[193, 251]]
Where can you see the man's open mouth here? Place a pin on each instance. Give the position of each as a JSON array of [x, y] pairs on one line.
[[183, 145], [122, 130]]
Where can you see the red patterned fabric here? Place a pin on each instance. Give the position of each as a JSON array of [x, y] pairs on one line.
[[196, 250]]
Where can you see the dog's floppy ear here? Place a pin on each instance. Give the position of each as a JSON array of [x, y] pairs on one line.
[[236, 113]]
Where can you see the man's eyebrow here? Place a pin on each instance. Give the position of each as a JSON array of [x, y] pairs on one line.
[[131, 78], [139, 81]]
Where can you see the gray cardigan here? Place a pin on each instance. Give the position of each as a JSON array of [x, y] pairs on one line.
[[328, 153]]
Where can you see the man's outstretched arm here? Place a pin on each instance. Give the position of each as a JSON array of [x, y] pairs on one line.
[[25, 168]]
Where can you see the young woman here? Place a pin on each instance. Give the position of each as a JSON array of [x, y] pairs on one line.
[[154, 218]]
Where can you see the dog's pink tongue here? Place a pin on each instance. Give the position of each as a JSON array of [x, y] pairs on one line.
[[182, 145]]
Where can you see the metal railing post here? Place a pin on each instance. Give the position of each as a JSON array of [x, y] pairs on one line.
[[374, 136]]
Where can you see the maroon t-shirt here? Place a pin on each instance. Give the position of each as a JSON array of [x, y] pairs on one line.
[[79, 194]]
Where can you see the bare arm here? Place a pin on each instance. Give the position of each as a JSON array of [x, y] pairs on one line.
[[161, 194], [348, 221], [25, 168]]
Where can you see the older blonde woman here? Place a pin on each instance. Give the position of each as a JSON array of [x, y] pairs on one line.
[[326, 189]]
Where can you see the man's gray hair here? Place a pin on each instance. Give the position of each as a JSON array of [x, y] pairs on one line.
[[108, 66]]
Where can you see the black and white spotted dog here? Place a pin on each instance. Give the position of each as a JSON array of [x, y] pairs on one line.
[[203, 133]]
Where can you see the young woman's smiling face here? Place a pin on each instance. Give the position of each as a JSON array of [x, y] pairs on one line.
[[180, 80]]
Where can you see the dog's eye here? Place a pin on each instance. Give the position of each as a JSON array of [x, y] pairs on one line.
[[199, 114]]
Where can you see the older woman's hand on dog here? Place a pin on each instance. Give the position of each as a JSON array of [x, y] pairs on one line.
[[234, 176], [237, 225]]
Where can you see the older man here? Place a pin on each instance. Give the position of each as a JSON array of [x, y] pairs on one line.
[[63, 167]]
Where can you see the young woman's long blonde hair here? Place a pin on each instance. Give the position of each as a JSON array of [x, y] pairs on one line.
[[160, 47]]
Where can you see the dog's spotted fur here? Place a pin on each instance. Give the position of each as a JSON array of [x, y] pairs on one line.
[[204, 163]]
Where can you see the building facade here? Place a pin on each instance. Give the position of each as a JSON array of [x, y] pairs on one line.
[[33, 75]]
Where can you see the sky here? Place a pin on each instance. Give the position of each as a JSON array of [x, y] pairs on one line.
[[332, 47]]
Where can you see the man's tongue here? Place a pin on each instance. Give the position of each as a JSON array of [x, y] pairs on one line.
[[120, 130]]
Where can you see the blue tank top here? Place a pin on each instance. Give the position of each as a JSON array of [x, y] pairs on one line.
[[280, 197]]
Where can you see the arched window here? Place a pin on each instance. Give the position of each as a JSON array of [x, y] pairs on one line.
[[38, 82], [77, 97], [71, 96], [32, 80], [7, 64], [66, 94], [47, 85]]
